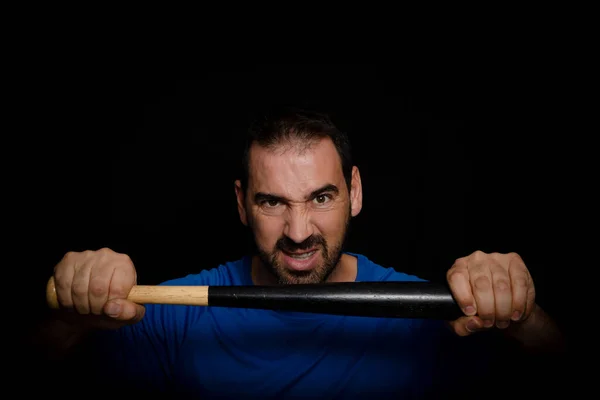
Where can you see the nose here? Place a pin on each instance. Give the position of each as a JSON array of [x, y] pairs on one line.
[[298, 225]]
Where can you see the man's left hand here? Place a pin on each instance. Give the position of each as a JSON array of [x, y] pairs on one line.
[[492, 290]]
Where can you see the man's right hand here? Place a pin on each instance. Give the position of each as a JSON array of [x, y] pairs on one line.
[[92, 287]]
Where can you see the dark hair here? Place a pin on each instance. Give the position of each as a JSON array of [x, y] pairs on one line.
[[287, 124]]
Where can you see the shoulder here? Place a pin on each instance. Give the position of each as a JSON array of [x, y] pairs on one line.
[[371, 271], [235, 272]]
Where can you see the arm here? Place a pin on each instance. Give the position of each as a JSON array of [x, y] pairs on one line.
[[54, 339], [538, 333]]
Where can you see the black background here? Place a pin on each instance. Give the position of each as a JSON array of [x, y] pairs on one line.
[[450, 165]]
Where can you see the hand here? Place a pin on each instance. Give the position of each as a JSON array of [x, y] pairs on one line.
[[492, 290], [94, 285]]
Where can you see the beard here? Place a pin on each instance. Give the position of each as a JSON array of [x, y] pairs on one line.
[[330, 254]]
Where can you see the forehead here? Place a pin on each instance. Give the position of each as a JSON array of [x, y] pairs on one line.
[[292, 169]]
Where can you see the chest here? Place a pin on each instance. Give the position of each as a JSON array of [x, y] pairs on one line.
[[235, 353]]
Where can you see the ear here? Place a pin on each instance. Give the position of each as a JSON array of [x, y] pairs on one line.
[[356, 192], [240, 195]]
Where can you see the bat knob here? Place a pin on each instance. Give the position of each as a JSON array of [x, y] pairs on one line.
[[51, 298]]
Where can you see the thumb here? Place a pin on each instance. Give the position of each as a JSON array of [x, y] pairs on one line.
[[465, 326], [124, 310]]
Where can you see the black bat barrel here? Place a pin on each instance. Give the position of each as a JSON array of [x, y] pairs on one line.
[[368, 299]]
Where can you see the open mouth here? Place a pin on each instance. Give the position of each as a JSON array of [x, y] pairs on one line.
[[301, 256], [301, 261]]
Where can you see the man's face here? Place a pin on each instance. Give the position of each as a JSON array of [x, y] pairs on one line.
[[298, 207]]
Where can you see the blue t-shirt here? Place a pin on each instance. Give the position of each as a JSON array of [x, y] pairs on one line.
[[236, 353]]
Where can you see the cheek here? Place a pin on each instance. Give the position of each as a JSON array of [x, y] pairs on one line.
[[330, 224], [267, 230]]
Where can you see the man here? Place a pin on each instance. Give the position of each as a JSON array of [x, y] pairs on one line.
[[298, 194]]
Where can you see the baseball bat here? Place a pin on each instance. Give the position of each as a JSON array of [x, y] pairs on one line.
[[429, 300]]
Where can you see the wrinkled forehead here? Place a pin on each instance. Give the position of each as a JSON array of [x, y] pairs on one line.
[[294, 169]]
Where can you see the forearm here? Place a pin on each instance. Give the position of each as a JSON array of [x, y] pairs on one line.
[[55, 337], [538, 333]]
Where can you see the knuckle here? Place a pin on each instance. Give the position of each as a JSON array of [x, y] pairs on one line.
[[478, 255], [98, 287], [88, 253], [60, 283], [454, 273], [459, 262], [118, 291], [520, 283], [105, 250], [70, 255], [514, 256], [482, 283], [124, 259], [502, 286], [79, 289]]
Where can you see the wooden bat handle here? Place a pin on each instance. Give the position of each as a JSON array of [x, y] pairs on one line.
[[146, 294], [370, 299]]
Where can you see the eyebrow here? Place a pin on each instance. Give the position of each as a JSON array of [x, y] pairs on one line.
[[328, 188]]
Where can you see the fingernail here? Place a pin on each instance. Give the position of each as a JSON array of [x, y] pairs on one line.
[[502, 324], [470, 310], [472, 326], [488, 323], [516, 316], [113, 309]]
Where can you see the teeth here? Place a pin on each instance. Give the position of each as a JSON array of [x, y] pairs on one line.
[[303, 256]]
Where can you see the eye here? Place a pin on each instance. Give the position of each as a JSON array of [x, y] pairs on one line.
[[272, 203], [322, 198]]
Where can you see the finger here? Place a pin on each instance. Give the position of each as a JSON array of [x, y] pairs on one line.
[[99, 285], [530, 305], [458, 280], [465, 326], [124, 310], [63, 279], [123, 279], [519, 282], [502, 295], [483, 292], [80, 287]]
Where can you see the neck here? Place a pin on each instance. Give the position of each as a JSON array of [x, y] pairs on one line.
[[346, 270]]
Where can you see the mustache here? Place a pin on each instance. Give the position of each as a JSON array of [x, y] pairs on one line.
[[287, 244]]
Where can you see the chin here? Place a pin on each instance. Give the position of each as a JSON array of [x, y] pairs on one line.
[[317, 274], [296, 278]]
